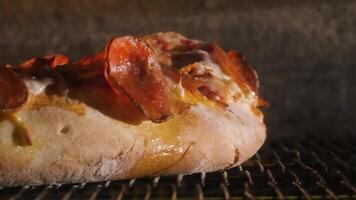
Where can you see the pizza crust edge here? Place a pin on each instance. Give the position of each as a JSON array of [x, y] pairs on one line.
[[69, 147]]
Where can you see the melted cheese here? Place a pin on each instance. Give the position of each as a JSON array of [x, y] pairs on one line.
[[210, 66], [37, 86], [227, 87]]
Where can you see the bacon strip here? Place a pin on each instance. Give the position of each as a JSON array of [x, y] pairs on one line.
[[13, 91], [132, 66], [185, 52], [211, 94], [247, 71], [250, 75], [228, 66], [200, 83]]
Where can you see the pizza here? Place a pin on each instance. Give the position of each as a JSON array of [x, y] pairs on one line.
[[143, 106]]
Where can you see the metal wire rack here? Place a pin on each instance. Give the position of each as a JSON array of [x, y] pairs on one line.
[[289, 168]]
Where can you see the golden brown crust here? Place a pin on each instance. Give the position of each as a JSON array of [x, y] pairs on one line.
[[68, 147]]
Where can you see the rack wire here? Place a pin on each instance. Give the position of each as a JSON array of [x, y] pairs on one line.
[[289, 168]]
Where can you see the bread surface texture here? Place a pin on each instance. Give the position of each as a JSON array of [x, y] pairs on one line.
[[68, 147]]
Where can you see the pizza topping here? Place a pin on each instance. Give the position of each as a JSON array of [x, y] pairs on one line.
[[84, 69], [132, 67], [262, 103], [207, 64], [13, 91], [133, 73], [41, 68], [249, 74], [181, 59], [141, 74], [37, 87], [227, 66], [166, 44], [58, 60], [35, 64], [206, 79], [211, 94], [98, 94]]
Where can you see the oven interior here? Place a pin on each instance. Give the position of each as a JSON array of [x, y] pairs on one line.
[[303, 51]]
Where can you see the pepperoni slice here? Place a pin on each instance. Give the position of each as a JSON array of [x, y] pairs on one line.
[[13, 91], [86, 68], [97, 93], [39, 62], [132, 66], [58, 60]]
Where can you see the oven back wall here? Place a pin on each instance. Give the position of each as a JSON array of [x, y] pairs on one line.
[[304, 52]]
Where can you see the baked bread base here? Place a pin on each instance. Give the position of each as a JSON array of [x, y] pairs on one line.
[[71, 147]]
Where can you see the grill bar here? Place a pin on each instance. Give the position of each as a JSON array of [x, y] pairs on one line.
[[69, 193], [19, 193], [96, 192], [148, 192], [44, 192], [247, 191], [199, 192], [225, 190], [174, 192], [121, 193]]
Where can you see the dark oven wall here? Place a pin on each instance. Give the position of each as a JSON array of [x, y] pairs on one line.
[[304, 52]]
